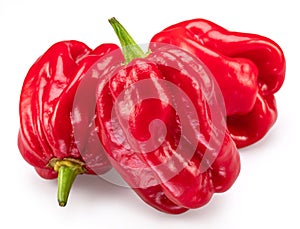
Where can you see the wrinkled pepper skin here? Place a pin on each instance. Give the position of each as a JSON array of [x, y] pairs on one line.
[[152, 174], [46, 138], [249, 69]]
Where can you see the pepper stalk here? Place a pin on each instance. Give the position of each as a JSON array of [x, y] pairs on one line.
[[68, 169], [130, 48]]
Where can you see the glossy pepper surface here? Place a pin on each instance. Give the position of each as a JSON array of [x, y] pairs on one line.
[[46, 138], [178, 165], [249, 69]]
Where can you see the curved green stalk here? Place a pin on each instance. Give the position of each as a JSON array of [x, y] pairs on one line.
[[130, 48]]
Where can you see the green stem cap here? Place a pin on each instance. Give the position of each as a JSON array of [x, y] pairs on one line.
[[68, 169], [130, 48]]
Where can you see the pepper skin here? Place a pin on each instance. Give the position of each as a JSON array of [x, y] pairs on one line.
[[46, 138], [164, 175], [249, 69]]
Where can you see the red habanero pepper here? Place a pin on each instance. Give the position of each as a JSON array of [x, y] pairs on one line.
[[177, 165], [249, 69], [46, 137]]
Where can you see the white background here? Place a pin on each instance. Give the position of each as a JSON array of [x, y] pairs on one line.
[[266, 193]]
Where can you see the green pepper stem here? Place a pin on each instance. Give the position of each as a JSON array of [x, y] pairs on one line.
[[68, 169], [130, 48], [66, 177]]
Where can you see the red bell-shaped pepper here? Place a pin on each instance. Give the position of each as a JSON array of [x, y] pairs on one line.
[[249, 69], [55, 136], [162, 126]]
